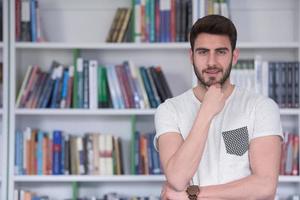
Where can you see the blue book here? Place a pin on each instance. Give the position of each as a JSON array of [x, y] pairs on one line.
[[148, 87], [57, 143], [64, 91], [62, 162], [19, 153], [49, 84], [33, 20], [155, 157], [137, 160], [39, 152]]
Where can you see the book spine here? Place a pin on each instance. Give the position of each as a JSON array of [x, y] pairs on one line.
[[33, 20], [57, 145], [86, 86]]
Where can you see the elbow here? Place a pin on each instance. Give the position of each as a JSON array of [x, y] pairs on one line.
[[268, 189], [177, 182]]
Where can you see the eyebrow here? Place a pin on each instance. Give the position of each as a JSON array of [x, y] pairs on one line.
[[217, 49]]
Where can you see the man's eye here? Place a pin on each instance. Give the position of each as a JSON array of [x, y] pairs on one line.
[[202, 52], [221, 52]]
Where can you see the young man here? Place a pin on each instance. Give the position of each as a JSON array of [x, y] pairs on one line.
[[218, 141]]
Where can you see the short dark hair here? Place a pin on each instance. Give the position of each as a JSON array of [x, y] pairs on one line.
[[214, 24]]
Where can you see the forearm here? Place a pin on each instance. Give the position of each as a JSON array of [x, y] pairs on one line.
[[250, 187], [184, 163]]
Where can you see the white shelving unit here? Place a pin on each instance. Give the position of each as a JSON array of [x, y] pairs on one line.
[[269, 28], [4, 46]]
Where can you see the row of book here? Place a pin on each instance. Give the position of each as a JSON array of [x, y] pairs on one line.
[[243, 74], [217, 7], [90, 85], [278, 80], [290, 155], [42, 153], [27, 195], [284, 83], [28, 21], [146, 158], [152, 21]]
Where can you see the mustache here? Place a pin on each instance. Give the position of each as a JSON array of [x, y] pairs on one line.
[[212, 68]]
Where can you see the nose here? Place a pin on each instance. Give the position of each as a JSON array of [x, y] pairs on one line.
[[211, 61]]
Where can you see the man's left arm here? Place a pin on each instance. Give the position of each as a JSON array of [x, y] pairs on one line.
[[264, 153]]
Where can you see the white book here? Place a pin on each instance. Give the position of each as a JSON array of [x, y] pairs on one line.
[[96, 153], [138, 22], [27, 137], [102, 166], [93, 65], [80, 163], [108, 157]]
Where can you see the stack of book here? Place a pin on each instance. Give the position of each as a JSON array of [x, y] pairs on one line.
[[28, 22], [89, 85], [146, 159], [57, 153], [152, 21], [243, 74], [283, 83], [217, 7], [290, 155]]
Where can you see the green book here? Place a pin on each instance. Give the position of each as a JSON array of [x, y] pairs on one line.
[[75, 190], [103, 96], [76, 53]]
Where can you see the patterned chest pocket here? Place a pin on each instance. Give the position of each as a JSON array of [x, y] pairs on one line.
[[236, 141]]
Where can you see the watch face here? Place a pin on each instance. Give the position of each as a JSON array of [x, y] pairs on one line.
[[193, 190]]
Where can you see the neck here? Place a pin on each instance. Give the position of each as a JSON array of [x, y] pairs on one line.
[[200, 90]]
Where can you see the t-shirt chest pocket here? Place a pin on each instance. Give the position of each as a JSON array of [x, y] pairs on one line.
[[236, 141], [236, 137]]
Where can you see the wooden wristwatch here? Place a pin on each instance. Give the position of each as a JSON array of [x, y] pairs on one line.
[[193, 191]]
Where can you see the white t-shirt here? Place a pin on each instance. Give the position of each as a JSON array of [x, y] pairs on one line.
[[245, 116]]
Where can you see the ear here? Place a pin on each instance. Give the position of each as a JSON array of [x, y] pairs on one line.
[[191, 55], [235, 56]]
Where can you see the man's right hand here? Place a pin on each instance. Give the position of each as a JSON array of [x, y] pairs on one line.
[[214, 100]]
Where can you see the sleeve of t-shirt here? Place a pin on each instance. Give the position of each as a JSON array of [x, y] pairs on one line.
[[267, 119], [166, 120]]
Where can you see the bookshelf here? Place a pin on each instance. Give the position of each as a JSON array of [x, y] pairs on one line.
[[75, 24], [4, 58]]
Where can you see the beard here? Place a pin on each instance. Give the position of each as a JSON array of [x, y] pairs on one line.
[[213, 80]]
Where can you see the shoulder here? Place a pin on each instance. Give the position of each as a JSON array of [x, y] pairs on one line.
[[255, 100], [175, 104]]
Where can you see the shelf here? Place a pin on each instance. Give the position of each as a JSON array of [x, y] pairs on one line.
[[288, 179], [90, 178], [134, 46], [47, 111], [289, 111], [104, 46], [120, 178], [268, 45], [85, 112]]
